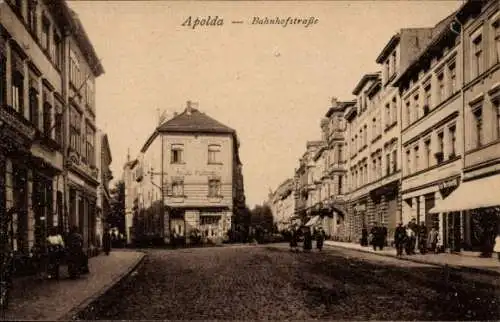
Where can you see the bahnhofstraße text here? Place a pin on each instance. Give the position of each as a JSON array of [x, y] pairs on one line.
[[208, 21]]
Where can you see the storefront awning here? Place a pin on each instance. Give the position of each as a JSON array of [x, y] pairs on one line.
[[480, 193], [312, 221]]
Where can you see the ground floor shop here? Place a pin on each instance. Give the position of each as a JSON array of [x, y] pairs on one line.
[[469, 216], [380, 206]]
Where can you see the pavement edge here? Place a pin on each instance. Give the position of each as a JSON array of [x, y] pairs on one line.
[[455, 267], [75, 311]]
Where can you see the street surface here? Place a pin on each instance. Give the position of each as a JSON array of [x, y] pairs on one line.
[[270, 282]]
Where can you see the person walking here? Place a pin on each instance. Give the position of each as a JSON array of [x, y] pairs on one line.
[[320, 238], [432, 239], [55, 250], [294, 240], [422, 238], [374, 232], [410, 241], [364, 237], [399, 239], [382, 237], [75, 250], [106, 242], [307, 240]]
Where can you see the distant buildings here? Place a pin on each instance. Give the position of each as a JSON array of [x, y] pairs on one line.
[[48, 172], [186, 178], [420, 139], [282, 204], [103, 195]]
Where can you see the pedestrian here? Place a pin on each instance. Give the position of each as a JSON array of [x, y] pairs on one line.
[[75, 250], [399, 239], [293, 239], [413, 240], [382, 237], [307, 239], [422, 238], [55, 250], [409, 244], [496, 248], [320, 238], [374, 232], [432, 239], [106, 242], [364, 237]]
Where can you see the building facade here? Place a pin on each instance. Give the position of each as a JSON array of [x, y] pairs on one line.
[[282, 204], [35, 42], [187, 173], [104, 160], [374, 136]]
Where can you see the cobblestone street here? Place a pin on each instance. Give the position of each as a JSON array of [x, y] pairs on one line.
[[270, 282]]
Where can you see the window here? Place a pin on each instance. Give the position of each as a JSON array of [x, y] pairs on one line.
[[408, 112], [74, 68], [340, 158], [59, 128], [387, 115], [89, 144], [32, 17], [496, 39], [176, 153], [365, 135], [178, 188], [417, 158], [477, 59], [89, 94], [33, 104], [394, 161], [393, 61], [394, 110], [453, 78], [214, 188], [45, 33], [427, 151], [3, 78], [440, 148], [478, 120], [340, 184], [374, 167], [213, 154], [416, 107], [453, 141], [380, 166], [17, 92], [355, 144], [374, 128], [47, 119], [440, 83], [427, 98], [361, 143], [58, 48], [75, 129], [408, 161]]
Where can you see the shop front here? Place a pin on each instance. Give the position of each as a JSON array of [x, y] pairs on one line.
[[470, 214]]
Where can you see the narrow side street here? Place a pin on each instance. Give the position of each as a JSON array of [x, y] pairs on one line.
[[270, 282]]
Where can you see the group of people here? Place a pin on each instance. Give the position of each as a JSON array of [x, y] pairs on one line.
[[413, 236], [377, 237], [70, 250], [296, 233]]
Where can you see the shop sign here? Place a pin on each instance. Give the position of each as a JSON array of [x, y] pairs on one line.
[[449, 184]]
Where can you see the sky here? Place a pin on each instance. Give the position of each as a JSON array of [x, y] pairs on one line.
[[272, 84]]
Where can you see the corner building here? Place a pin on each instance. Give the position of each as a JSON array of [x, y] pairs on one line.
[[191, 165]]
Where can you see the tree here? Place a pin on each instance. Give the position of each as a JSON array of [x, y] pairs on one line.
[[116, 218]]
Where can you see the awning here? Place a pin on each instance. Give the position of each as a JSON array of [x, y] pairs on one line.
[[312, 221], [474, 194]]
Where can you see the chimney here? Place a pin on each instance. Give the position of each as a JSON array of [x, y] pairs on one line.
[[189, 108]]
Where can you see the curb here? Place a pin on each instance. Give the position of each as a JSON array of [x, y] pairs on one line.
[[75, 311], [455, 267]]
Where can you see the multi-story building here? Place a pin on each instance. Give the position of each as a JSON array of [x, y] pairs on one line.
[[282, 204], [36, 39], [131, 194], [374, 136], [432, 147], [470, 213], [191, 165], [104, 160]]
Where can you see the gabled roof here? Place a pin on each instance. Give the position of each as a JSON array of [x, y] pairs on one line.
[[194, 121], [364, 80]]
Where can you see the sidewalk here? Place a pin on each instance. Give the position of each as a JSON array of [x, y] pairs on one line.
[[59, 300], [466, 260]]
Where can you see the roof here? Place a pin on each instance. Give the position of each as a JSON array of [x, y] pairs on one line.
[[340, 107], [363, 81], [388, 48], [194, 121]]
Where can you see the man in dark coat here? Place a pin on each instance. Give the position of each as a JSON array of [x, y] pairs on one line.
[[364, 237], [106, 241], [399, 238], [422, 238], [75, 250], [375, 232], [383, 237], [307, 239], [320, 238]]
